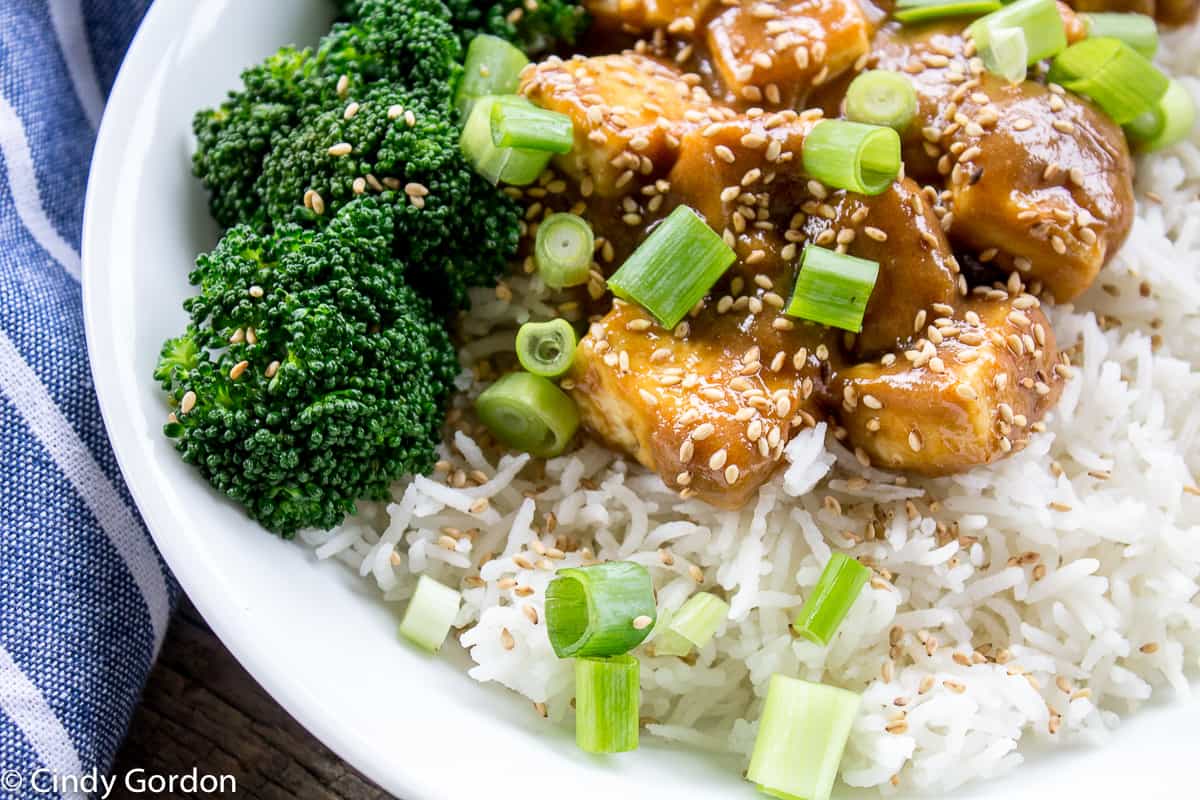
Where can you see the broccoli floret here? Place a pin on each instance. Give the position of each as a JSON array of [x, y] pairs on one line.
[[311, 374], [452, 228], [407, 43], [534, 27]]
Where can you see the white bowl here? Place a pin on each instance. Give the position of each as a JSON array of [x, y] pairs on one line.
[[314, 635]]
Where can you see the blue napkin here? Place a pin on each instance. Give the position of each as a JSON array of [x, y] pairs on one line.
[[84, 596]]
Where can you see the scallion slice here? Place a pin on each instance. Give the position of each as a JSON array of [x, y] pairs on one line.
[[1006, 54], [850, 155], [546, 348], [430, 613], [513, 165], [493, 66], [833, 288], [879, 97], [826, 606], [1139, 31], [674, 268], [516, 122], [528, 412], [602, 610], [1168, 122], [563, 250], [693, 625], [607, 695], [1039, 20], [801, 736], [1118, 78], [910, 11]]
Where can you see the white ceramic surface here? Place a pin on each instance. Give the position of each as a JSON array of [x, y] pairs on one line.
[[312, 634]]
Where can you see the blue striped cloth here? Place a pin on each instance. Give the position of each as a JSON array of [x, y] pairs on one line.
[[84, 596]]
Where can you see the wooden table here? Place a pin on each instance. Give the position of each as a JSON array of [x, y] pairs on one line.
[[202, 710]]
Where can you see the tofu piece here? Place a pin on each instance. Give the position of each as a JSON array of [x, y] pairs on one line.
[[640, 16], [629, 112], [709, 411], [729, 170], [776, 52], [1038, 179], [970, 399], [917, 269]]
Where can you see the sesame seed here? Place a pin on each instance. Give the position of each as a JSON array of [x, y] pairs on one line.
[[642, 622], [732, 473], [188, 402], [703, 431]]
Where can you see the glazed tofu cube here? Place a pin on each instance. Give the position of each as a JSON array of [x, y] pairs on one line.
[[970, 399], [710, 411], [638, 16], [628, 113], [776, 52]]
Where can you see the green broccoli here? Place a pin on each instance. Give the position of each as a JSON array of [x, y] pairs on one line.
[[407, 43], [311, 375], [534, 26], [454, 230]]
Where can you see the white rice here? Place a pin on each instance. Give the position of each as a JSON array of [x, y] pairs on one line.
[[1114, 619]]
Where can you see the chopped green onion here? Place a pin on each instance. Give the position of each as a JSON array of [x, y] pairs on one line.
[[833, 288], [493, 66], [1139, 31], [1168, 122], [528, 412], [516, 122], [674, 268], [908, 11], [1039, 20], [1006, 54], [1118, 78], [430, 613], [546, 348], [826, 606], [852, 156], [514, 165], [801, 736], [878, 97], [606, 704], [693, 625], [602, 610], [563, 250]]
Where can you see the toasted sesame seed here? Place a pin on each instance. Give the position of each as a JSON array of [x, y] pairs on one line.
[[642, 622], [238, 369], [341, 149], [703, 431]]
